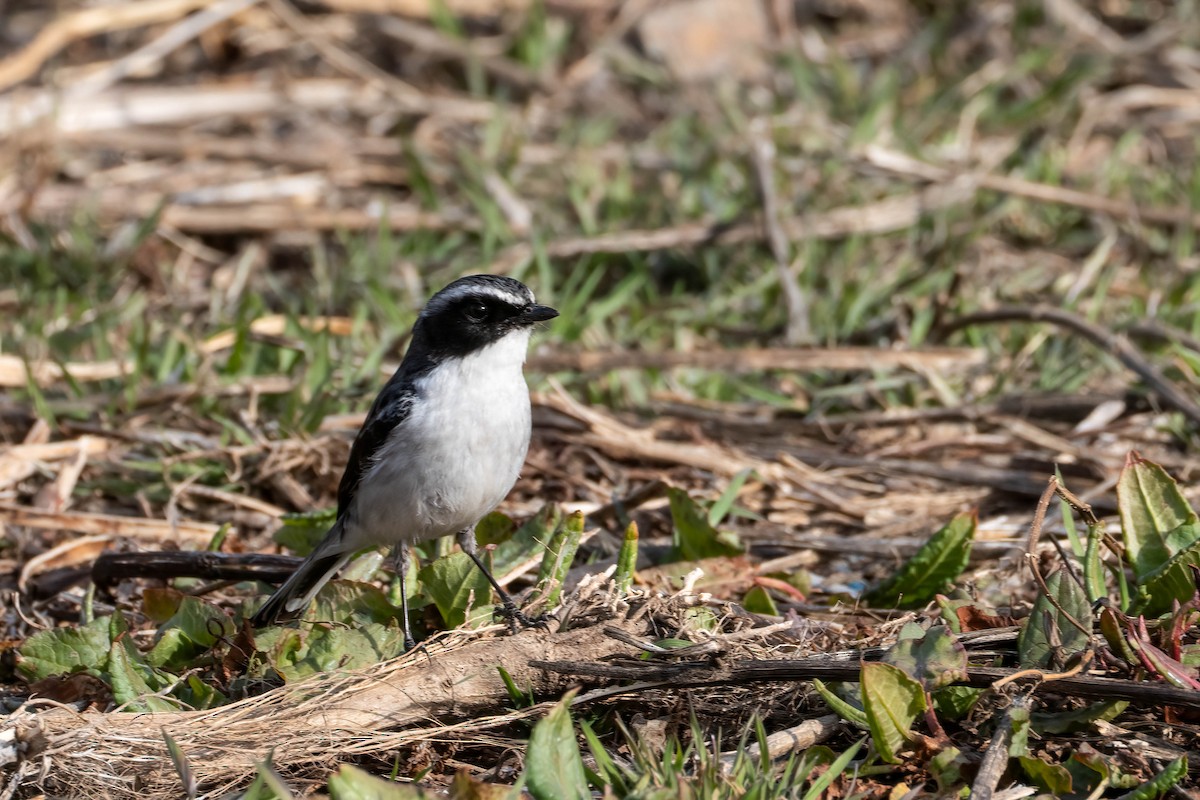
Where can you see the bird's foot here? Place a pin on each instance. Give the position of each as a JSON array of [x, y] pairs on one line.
[[516, 617]]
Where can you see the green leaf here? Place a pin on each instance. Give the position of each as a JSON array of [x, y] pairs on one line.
[[553, 764], [956, 702], [328, 648], [557, 560], [134, 684], [935, 660], [1059, 722], [758, 601], [694, 537], [844, 709], [1093, 568], [1019, 719], [1052, 778], [496, 528], [728, 497], [892, 701], [1161, 783], [817, 790], [946, 766], [528, 540], [1173, 580], [931, 569], [518, 698], [1151, 506], [455, 584], [301, 533], [352, 783], [192, 629], [1047, 637], [183, 767], [160, 603], [627, 560], [610, 774], [353, 603], [363, 567], [61, 650]]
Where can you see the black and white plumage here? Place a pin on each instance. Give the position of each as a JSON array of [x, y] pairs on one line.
[[443, 442]]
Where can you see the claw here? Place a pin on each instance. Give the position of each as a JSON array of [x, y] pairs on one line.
[[514, 616]]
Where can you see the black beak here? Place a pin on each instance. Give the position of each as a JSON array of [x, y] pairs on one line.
[[536, 313]]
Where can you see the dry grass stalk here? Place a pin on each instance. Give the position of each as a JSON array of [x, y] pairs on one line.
[[313, 724], [187, 532]]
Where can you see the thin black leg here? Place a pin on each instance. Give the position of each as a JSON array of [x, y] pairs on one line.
[[508, 610], [401, 558]]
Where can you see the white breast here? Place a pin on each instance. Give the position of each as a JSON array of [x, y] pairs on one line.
[[456, 456]]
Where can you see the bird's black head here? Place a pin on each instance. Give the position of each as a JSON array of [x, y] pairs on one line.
[[474, 312]]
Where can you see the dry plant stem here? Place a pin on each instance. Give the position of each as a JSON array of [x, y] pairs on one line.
[[155, 530], [111, 568], [900, 163], [312, 723], [792, 740], [1114, 344], [769, 358], [883, 216], [84, 23], [995, 760], [747, 671], [763, 150]]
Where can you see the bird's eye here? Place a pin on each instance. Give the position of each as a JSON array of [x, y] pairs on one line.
[[477, 312]]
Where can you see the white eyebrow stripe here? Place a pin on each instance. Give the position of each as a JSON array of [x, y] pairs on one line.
[[468, 290]]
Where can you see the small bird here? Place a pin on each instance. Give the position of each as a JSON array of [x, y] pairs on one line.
[[442, 444]]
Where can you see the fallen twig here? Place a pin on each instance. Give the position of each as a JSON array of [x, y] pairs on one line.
[[1112, 343]]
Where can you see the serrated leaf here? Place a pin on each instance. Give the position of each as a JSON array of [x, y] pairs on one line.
[[62, 650], [934, 660], [931, 569], [694, 537], [892, 701], [553, 764], [1150, 506], [352, 783], [1047, 636], [455, 584]]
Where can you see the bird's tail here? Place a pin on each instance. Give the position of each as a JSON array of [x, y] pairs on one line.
[[293, 597]]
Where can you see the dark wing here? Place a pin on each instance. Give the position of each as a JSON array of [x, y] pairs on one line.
[[390, 409]]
